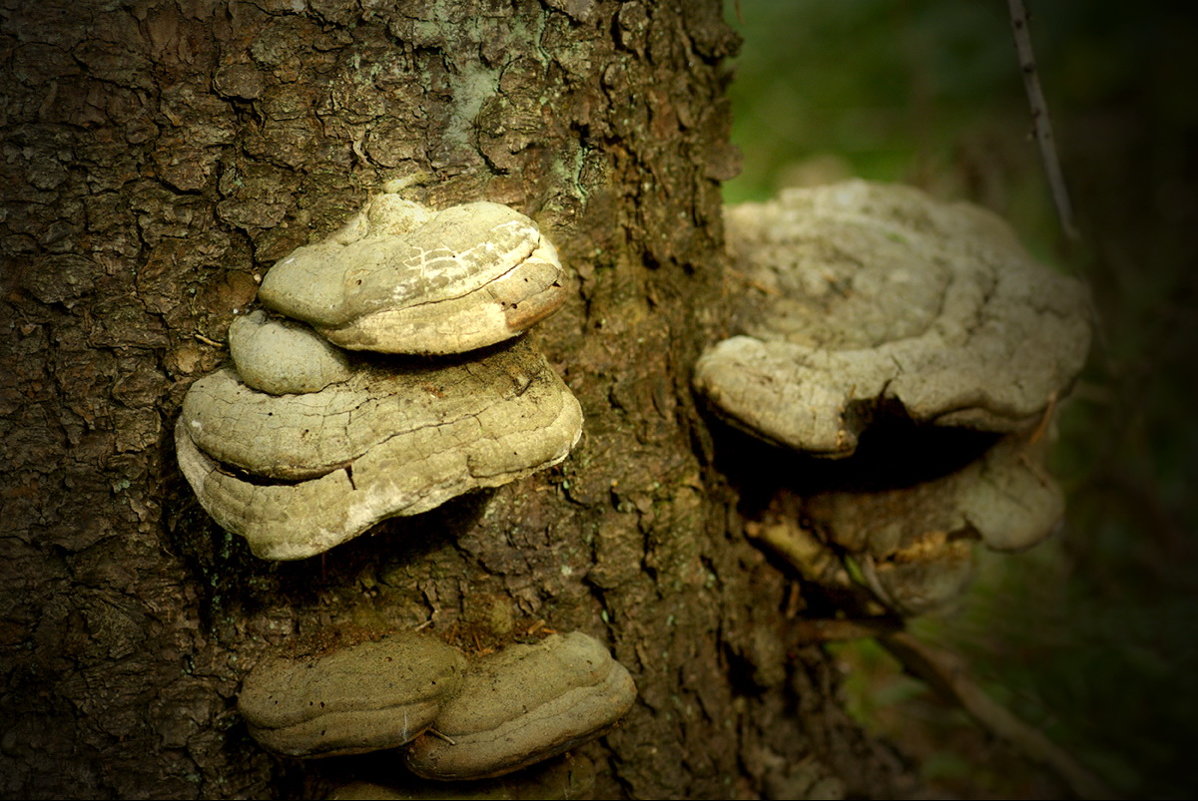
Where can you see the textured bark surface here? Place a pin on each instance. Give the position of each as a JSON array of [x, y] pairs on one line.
[[158, 157]]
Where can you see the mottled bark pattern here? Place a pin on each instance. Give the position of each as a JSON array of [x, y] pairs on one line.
[[157, 158]]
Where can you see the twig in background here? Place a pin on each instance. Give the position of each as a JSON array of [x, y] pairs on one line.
[[943, 670], [1041, 124], [946, 671]]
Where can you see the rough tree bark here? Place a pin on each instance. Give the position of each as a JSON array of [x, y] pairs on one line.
[[158, 157]]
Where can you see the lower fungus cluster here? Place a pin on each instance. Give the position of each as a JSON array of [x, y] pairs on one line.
[[455, 718]]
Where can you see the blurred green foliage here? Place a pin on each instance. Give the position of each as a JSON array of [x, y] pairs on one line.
[[1092, 636]]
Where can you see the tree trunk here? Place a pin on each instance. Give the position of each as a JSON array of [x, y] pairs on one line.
[[158, 158]]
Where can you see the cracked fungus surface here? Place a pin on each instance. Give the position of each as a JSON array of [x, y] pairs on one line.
[[400, 281], [297, 474], [858, 295]]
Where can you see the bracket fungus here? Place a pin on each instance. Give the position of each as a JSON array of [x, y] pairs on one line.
[[298, 474], [863, 296], [299, 446], [915, 543], [867, 305], [366, 697], [284, 357], [491, 715], [400, 279], [524, 704]]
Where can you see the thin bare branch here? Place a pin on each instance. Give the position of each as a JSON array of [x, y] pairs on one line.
[[1041, 124], [943, 670], [948, 673]]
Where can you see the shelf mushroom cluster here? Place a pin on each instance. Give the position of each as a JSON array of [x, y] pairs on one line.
[[301, 444], [866, 303], [491, 715]]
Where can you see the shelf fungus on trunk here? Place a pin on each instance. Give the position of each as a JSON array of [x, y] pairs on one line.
[[524, 704], [300, 446], [862, 297], [284, 357], [914, 544], [366, 697], [401, 279], [865, 307], [298, 474]]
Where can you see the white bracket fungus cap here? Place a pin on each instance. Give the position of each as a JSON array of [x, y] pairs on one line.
[[366, 697], [861, 296], [284, 357], [298, 474], [524, 704], [400, 279]]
